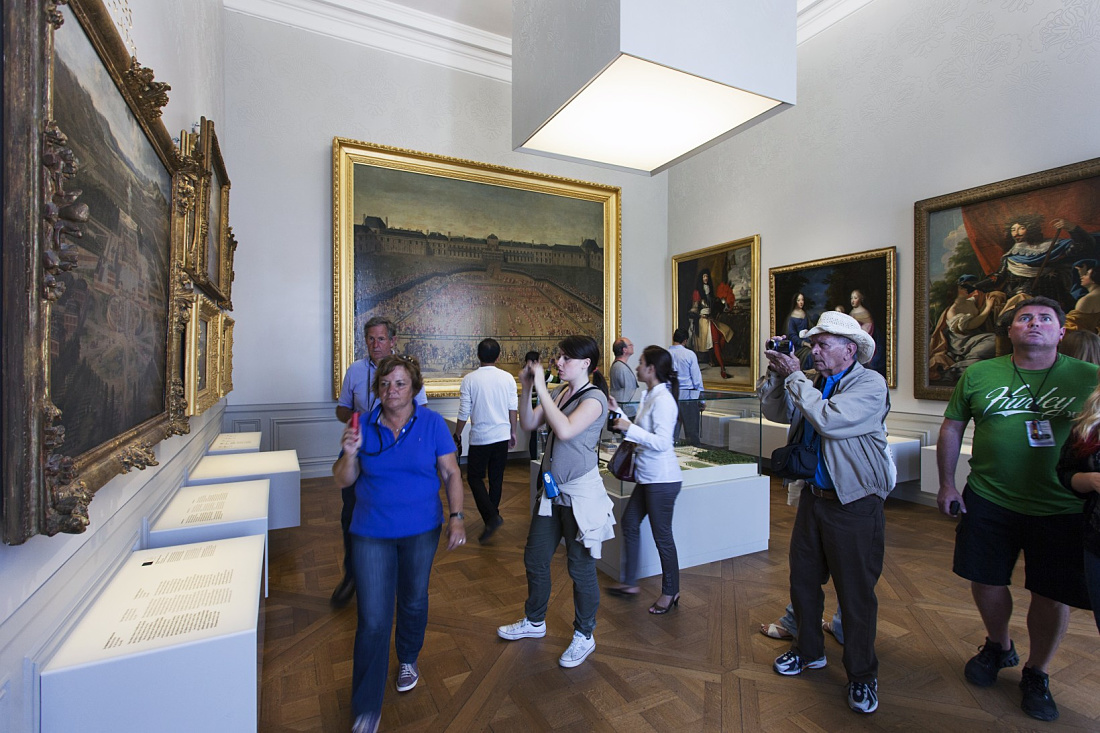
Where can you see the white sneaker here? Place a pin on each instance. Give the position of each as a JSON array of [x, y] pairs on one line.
[[578, 650], [522, 629]]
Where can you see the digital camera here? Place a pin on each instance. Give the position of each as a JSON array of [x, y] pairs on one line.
[[612, 416], [782, 345]]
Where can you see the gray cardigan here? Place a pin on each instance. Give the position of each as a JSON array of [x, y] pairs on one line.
[[851, 423]]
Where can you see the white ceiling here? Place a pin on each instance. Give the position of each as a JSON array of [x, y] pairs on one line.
[[474, 36]]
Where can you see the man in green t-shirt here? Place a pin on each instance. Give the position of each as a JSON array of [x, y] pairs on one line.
[[1021, 405]]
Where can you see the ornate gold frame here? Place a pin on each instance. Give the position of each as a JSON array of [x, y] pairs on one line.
[[211, 186], [346, 154], [753, 244], [46, 491], [203, 364], [225, 380], [922, 214], [889, 255]]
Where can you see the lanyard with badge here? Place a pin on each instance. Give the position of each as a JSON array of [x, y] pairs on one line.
[[1039, 432]]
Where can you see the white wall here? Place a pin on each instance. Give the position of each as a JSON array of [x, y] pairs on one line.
[[46, 581], [290, 93], [901, 101]]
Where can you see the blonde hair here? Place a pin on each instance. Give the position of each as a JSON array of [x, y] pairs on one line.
[[1087, 421]]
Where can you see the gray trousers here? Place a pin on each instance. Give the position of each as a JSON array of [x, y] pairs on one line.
[[656, 501], [542, 541]]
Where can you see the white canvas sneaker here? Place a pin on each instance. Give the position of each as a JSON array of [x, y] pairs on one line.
[[522, 629], [578, 650]]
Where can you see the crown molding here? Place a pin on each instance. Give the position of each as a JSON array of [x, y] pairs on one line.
[[814, 16], [393, 28], [404, 31]]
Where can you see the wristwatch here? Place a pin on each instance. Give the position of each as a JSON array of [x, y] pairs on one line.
[[457, 515]]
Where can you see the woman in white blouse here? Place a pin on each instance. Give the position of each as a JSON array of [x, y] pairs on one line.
[[658, 477]]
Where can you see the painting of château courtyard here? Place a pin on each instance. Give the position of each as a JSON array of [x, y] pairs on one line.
[[451, 262]]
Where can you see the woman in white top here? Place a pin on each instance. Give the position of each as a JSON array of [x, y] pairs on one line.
[[658, 477]]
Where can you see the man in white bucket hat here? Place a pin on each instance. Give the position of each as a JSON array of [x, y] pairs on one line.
[[839, 420]]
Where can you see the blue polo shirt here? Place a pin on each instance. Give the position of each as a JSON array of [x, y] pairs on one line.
[[397, 492]]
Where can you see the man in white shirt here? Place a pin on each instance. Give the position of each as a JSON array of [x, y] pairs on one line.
[[488, 398], [357, 395], [686, 364]]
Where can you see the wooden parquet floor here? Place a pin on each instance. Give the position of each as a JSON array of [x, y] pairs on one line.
[[703, 667]]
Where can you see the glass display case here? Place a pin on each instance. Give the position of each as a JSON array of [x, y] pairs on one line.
[[718, 438]]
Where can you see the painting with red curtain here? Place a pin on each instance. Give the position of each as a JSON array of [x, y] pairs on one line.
[[982, 251]]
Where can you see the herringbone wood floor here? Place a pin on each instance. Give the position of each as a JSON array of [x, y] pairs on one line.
[[703, 667]]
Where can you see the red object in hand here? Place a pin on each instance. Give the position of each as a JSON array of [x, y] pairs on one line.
[[354, 421]]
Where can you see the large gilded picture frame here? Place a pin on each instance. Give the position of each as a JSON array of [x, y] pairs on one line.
[[715, 296], [453, 251], [982, 250], [863, 285], [93, 291]]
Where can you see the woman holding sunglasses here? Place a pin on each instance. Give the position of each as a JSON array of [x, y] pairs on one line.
[[395, 456]]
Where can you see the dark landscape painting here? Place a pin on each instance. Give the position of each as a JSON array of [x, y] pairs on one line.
[[108, 332], [451, 262]]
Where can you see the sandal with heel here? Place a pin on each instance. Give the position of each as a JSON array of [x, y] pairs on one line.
[[658, 610]]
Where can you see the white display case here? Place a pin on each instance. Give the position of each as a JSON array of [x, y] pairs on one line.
[[930, 472], [213, 512], [235, 443], [170, 645], [279, 467]]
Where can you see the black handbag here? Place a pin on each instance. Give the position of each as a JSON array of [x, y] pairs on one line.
[[621, 464], [796, 460]]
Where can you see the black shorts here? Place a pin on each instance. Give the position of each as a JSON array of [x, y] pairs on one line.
[[989, 538]]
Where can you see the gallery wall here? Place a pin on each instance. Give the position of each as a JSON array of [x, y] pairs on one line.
[[47, 581], [290, 92], [901, 101]]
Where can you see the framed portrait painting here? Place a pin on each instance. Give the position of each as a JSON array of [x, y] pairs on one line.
[[714, 294], [209, 244], [981, 251], [97, 371], [863, 285], [203, 364], [451, 251]]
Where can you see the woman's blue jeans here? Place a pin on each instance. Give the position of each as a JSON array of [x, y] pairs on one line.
[[388, 571], [542, 541]]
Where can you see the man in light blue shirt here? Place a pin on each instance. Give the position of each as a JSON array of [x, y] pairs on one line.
[[357, 395], [686, 365]]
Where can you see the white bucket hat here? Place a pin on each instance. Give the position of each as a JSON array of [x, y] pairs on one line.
[[842, 324]]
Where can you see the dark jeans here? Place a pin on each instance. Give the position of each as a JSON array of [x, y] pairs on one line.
[[656, 500], [493, 457], [347, 494], [846, 541], [542, 541], [1092, 579], [385, 570]]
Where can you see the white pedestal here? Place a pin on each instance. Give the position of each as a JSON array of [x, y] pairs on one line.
[[714, 519], [235, 443], [930, 473], [907, 457], [752, 434], [214, 512], [170, 645], [721, 512], [280, 467], [714, 428]]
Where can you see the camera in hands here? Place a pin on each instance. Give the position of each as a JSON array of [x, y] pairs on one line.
[[781, 344], [612, 416]]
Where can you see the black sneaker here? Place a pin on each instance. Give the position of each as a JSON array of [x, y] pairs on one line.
[[982, 668], [490, 528], [1037, 702]]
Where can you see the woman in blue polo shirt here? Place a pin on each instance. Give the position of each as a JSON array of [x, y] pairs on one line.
[[395, 456]]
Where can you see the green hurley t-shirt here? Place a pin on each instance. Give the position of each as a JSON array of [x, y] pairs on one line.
[[1005, 468]]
